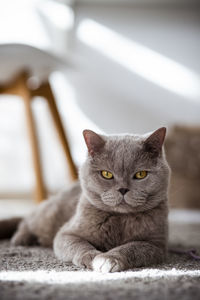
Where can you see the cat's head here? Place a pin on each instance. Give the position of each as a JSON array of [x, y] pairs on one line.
[[125, 173]]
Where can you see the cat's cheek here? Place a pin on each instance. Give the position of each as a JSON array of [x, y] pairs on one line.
[[135, 199], [109, 198], [135, 203]]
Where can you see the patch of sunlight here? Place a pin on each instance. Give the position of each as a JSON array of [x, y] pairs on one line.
[[141, 60], [53, 277]]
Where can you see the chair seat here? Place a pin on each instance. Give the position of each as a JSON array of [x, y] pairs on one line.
[[16, 57]]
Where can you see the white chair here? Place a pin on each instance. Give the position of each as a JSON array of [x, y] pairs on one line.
[[19, 63]]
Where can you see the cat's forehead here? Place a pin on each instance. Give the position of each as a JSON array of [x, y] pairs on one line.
[[123, 152], [123, 143]]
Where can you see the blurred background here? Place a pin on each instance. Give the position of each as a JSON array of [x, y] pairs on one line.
[[118, 66]]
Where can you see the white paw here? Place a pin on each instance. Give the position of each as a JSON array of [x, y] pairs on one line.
[[105, 264]]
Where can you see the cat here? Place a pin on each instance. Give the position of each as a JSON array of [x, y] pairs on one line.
[[115, 217]]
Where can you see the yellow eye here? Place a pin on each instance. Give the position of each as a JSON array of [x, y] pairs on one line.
[[107, 174], [140, 175]]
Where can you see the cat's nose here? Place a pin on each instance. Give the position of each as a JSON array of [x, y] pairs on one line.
[[123, 191]]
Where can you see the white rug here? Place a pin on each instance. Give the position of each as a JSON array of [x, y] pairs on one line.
[[34, 273]]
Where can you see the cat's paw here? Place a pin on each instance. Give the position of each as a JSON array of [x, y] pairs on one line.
[[23, 239], [18, 240], [87, 258], [107, 264]]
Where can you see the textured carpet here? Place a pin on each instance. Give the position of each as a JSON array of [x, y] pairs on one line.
[[34, 273]]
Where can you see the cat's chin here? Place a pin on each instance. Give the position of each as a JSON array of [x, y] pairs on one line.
[[122, 207], [125, 207], [122, 201], [119, 205]]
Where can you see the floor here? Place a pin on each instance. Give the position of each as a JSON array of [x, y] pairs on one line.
[[34, 273]]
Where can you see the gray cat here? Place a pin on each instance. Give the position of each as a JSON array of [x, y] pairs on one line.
[[116, 217]]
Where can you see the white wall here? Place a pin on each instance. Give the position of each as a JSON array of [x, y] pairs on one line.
[[120, 100]]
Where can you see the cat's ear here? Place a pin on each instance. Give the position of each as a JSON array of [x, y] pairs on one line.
[[153, 144], [93, 141]]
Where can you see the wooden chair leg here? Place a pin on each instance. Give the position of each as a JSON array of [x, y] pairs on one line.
[[19, 87], [40, 192], [46, 91]]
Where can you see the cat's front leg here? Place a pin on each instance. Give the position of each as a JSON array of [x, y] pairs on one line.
[[71, 248], [127, 256]]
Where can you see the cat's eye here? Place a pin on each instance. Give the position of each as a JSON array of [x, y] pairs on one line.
[[107, 174], [140, 175]]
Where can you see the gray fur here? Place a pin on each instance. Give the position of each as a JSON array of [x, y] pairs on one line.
[[92, 224]]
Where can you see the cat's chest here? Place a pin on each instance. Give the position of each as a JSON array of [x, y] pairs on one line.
[[134, 228], [117, 230]]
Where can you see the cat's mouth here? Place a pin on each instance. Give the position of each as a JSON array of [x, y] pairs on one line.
[[134, 203], [123, 203]]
